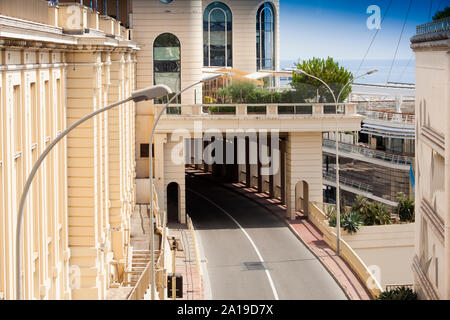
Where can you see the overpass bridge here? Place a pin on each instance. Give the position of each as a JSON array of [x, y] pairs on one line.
[[276, 148]]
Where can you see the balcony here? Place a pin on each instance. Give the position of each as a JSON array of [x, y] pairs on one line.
[[434, 27], [31, 10], [367, 154], [68, 17], [282, 117], [404, 118]]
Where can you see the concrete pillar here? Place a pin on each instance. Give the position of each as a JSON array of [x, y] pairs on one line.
[[159, 177], [259, 167], [174, 171], [271, 175], [283, 171], [248, 175], [303, 163]]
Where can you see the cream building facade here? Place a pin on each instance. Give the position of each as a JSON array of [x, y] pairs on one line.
[[431, 264], [198, 25], [58, 64]]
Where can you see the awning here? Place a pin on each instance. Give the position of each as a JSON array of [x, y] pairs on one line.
[[263, 74]]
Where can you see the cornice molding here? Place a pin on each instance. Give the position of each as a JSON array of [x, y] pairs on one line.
[[436, 222], [435, 140], [424, 283]]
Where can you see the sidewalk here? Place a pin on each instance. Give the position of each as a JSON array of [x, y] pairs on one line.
[[313, 239], [186, 263]]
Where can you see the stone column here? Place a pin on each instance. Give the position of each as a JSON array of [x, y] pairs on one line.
[[303, 163]]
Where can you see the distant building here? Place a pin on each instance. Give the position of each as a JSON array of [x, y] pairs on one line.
[[378, 161]]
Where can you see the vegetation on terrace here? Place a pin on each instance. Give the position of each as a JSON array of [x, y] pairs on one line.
[[366, 213], [304, 89]]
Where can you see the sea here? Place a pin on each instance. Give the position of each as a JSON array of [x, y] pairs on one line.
[[403, 71]]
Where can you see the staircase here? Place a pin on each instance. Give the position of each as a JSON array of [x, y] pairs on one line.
[[141, 258]]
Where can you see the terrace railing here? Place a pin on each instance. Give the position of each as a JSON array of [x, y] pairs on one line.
[[260, 110], [435, 26], [331, 176], [389, 116], [370, 153]]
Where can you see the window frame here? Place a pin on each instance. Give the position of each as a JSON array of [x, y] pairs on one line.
[[259, 56], [228, 14]]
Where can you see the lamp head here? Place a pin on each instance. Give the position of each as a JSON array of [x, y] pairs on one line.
[[150, 93], [372, 71], [211, 77]]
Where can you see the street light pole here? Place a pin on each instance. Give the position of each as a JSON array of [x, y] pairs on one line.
[[152, 230], [338, 196], [137, 96]]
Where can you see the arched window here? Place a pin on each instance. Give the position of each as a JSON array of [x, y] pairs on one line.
[[265, 40], [167, 62], [217, 36]]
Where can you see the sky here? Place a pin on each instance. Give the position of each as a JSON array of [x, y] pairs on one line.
[[338, 28]]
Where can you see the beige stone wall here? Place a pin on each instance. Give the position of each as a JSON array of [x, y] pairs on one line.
[[303, 163], [184, 19], [387, 250], [32, 114], [244, 32], [76, 240], [432, 245], [150, 19]]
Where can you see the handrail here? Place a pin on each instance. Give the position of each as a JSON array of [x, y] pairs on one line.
[[271, 109], [190, 226], [389, 116], [144, 281], [435, 26], [370, 153], [319, 219], [329, 176]]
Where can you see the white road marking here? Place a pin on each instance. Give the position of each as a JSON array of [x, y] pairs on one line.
[[269, 277]]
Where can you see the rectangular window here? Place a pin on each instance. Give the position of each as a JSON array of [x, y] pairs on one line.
[[145, 150], [47, 111], [59, 110], [17, 116], [34, 112]]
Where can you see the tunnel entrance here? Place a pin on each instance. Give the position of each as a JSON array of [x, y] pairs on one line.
[[173, 202]]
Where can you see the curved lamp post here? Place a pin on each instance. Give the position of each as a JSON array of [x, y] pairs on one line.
[[137, 96], [336, 101], [152, 235]]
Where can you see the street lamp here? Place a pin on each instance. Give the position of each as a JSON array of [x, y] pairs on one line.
[[137, 96], [206, 78], [338, 200]]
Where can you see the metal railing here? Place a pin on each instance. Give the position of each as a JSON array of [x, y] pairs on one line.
[[260, 110], [331, 176], [145, 279], [370, 153], [389, 116], [435, 26], [390, 287]]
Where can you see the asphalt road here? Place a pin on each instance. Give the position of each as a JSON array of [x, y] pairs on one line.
[[251, 254]]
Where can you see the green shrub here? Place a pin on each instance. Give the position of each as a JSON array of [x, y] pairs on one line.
[[372, 213], [351, 222], [401, 293], [405, 208]]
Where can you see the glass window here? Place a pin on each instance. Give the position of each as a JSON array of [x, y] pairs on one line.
[[265, 43], [167, 63], [217, 35]]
